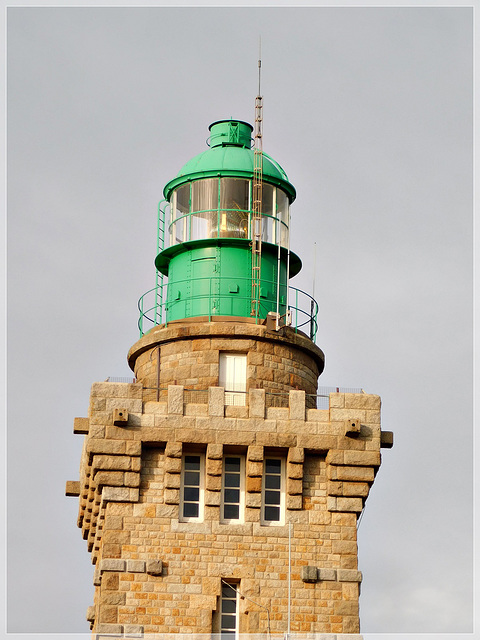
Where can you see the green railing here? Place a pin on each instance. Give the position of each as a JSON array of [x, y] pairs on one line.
[[154, 305]]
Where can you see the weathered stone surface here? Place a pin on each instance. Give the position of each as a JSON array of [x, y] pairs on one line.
[[365, 474], [90, 614], [309, 574], [255, 453], [72, 488], [175, 399], [349, 575], [136, 566], [216, 401], [256, 403], [154, 567], [296, 455], [120, 494], [215, 451], [81, 426], [297, 405], [101, 445], [120, 416], [386, 439], [327, 574], [112, 564]]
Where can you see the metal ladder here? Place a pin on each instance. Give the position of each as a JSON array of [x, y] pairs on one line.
[[158, 275], [257, 204]]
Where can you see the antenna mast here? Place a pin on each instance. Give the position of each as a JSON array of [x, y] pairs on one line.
[[257, 197]]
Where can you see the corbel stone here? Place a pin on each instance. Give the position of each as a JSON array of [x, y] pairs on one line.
[[327, 575], [81, 426], [136, 566], [349, 575], [132, 630], [154, 567], [109, 629], [91, 614], [120, 417], [386, 439], [112, 564], [352, 428], [309, 574], [72, 488]]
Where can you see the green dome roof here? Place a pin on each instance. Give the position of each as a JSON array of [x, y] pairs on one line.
[[229, 157]]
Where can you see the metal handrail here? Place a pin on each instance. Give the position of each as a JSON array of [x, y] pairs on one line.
[[156, 313]]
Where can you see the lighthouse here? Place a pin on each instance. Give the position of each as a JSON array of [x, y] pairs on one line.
[[220, 490]]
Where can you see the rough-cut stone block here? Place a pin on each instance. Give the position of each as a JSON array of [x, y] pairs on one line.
[[327, 574], [213, 483], [318, 415], [175, 399], [337, 400], [133, 448], [120, 494], [109, 478], [253, 485], [113, 564], [362, 401], [172, 496], [110, 629], [254, 469], [256, 403], [173, 465], [362, 458], [349, 575], [154, 567], [294, 503], [348, 504], [294, 471], [90, 614], [294, 486], [296, 455], [216, 401], [112, 463], [100, 445], [215, 451], [253, 500], [172, 481], [72, 488], [81, 426], [386, 439], [297, 405], [360, 474], [212, 498], [309, 574], [255, 453], [136, 566], [133, 630], [173, 450], [214, 467]]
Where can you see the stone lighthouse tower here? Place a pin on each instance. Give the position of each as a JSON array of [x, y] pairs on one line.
[[217, 494]]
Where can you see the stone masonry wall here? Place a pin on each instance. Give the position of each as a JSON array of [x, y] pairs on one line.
[[276, 362], [155, 574]]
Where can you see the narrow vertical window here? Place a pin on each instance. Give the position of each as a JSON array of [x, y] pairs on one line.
[[273, 491], [233, 377], [229, 612], [233, 490], [191, 500]]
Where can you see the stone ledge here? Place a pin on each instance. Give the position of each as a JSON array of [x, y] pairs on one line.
[[81, 426], [72, 488]]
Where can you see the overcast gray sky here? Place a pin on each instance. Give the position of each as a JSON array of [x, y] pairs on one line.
[[369, 111]]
